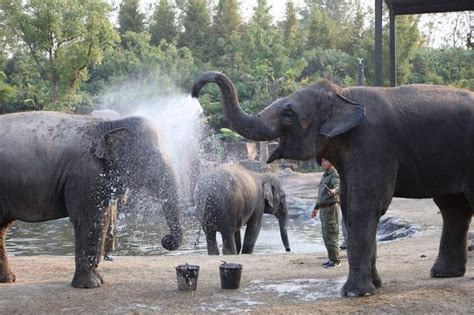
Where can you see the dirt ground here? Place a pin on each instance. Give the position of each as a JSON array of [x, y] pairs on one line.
[[271, 283]]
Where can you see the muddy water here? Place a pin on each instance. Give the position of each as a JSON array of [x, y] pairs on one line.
[[139, 238]]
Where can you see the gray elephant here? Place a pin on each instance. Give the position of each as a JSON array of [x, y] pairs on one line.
[[230, 196], [414, 141], [55, 165]]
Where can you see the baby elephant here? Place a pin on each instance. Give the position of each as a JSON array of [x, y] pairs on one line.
[[230, 196]]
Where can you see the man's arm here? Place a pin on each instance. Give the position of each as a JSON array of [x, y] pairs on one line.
[[314, 213], [335, 182]]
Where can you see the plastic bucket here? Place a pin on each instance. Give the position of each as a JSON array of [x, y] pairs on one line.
[[230, 275], [187, 276]]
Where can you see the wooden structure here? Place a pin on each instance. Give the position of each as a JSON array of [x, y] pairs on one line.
[[403, 7]]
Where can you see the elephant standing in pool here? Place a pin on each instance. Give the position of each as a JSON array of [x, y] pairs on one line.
[[55, 165], [230, 196], [414, 141]]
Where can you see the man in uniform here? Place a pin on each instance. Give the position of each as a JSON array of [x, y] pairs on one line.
[[328, 205]]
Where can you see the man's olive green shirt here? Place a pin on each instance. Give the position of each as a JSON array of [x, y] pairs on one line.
[[329, 180]]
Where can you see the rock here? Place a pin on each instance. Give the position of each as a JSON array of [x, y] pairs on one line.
[[390, 229], [470, 240]]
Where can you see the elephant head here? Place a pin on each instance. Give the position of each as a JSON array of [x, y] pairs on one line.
[[133, 159], [275, 203], [303, 121]]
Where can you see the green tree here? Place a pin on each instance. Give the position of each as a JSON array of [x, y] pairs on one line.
[[130, 18], [32, 92], [320, 29], [62, 38], [291, 31], [408, 41], [7, 93], [196, 22], [227, 19], [163, 23], [227, 29], [264, 58], [451, 66]]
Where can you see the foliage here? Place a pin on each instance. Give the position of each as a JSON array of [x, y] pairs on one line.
[[451, 66], [227, 134], [163, 23], [64, 54], [130, 18], [196, 22], [62, 38]]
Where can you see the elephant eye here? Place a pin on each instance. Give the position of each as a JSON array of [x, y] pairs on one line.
[[288, 114]]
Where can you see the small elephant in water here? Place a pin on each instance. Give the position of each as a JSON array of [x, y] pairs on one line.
[[414, 141], [231, 196], [56, 165]]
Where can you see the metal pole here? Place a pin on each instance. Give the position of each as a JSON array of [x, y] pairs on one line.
[[378, 42], [393, 50]]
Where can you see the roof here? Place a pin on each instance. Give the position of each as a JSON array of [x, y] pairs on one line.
[[399, 7]]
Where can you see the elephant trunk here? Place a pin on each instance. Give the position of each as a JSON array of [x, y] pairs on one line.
[[283, 222], [250, 126], [173, 240], [163, 188]]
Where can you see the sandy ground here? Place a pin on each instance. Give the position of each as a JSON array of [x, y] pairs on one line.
[[277, 283]]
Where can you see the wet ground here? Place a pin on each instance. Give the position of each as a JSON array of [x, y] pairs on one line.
[[275, 283]]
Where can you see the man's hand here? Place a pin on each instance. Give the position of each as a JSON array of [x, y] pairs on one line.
[[314, 213], [332, 192]]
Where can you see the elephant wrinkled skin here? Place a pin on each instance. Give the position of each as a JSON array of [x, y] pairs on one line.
[[56, 165], [414, 141], [230, 196]]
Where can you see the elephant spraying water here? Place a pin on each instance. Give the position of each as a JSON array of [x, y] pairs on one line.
[[414, 141], [55, 165]]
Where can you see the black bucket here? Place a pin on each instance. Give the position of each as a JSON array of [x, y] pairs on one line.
[[230, 275], [187, 276]]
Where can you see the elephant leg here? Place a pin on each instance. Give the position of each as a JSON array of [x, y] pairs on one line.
[[365, 201], [251, 233], [91, 219], [211, 241], [452, 256], [238, 241], [5, 273], [376, 280], [228, 243]]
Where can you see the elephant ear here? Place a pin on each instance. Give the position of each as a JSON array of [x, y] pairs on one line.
[[343, 116], [110, 143], [268, 193]]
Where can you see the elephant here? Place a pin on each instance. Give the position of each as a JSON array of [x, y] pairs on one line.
[[230, 196], [412, 141], [55, 165]]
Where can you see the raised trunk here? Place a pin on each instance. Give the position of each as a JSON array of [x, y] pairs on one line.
[[250, 126]]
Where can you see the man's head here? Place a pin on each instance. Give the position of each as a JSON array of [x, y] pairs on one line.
[[326, 164]]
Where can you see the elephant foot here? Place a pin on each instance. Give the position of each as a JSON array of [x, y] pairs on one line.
[[358, 288], [87, 280], [376, 280], [447, 269], [7, 277]]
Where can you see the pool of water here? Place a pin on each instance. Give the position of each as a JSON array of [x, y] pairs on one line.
[[140, 237]]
